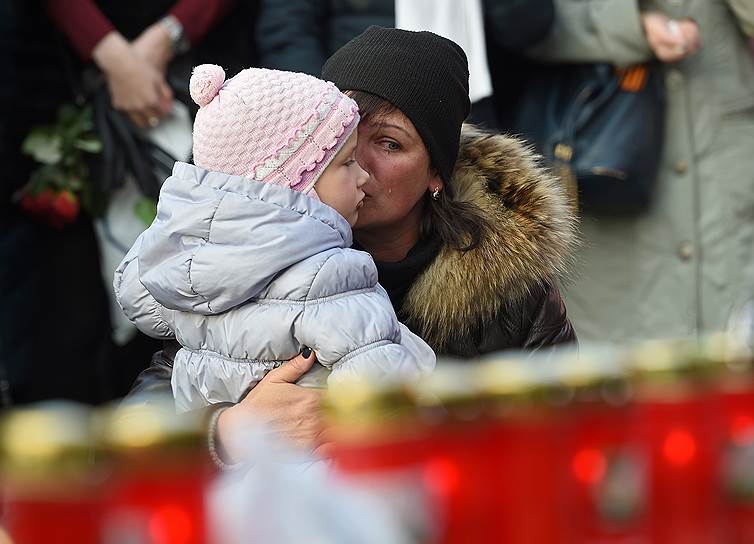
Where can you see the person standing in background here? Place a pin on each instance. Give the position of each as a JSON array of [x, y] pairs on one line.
[[463, 22], [133, 52], [680, 268], [55, 337], [299, 35]]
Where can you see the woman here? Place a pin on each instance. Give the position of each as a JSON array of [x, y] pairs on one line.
[[468, 245], [681, 267]]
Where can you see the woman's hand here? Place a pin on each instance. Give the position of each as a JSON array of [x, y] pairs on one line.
[[136, 86], [671, 40], [288, 409], [154, 46]]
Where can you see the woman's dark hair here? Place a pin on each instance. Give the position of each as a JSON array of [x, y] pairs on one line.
[[458, 225]]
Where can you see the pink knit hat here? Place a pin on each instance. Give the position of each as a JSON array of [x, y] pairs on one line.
[[267, 125]]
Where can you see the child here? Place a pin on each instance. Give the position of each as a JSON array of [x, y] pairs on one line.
[[248, 260]]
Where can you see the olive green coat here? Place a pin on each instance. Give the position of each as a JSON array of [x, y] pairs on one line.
[[679, 269]]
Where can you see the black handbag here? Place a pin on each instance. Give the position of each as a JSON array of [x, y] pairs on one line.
[[600, 128], [126, 148]]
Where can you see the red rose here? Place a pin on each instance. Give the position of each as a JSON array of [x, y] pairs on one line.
[[65, 207], [38, 204]]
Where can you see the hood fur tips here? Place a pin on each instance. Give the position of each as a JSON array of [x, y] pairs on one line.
[[531, 230]]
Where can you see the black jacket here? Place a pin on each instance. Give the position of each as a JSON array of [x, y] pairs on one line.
[[299, 35], [501, 295]]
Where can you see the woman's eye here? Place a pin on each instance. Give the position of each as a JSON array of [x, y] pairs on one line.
[[390, 145]]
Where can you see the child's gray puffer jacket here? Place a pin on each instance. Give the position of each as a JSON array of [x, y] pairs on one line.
[[245, 275]]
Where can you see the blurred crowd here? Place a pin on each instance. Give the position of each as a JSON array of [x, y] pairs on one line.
[[77, 193]]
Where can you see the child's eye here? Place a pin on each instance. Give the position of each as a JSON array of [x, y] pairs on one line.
[[350, 162]]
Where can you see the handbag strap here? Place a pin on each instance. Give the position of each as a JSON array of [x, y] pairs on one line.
[[583, 109], [127, 149]]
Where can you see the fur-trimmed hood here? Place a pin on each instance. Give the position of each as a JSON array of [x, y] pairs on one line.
[[530, 234]]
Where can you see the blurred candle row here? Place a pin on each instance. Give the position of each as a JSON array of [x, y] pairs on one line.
[[650, 444], [123, 474]]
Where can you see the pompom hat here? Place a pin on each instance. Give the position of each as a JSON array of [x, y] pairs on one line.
[[268, 125]]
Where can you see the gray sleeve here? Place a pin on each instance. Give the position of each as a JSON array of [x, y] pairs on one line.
[[355, 332], [137, 304], [595, 31], [744, 12]]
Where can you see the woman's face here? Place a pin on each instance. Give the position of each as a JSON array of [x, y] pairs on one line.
[[392, 152]]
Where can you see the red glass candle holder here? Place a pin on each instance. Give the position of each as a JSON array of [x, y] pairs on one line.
[[738, 462], [528, 461], [51, 514], [681, 437], [160, 503], [459, 476], [605, 477]]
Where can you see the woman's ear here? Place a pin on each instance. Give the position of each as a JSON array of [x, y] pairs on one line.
[[435, 182]]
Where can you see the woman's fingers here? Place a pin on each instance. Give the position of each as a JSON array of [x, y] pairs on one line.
[[292, 370], [165, 97], [671, 40], [137, 89], [691, 35], [291, 411], [138, 119]]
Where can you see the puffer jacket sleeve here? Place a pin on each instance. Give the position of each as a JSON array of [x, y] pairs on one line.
[[353, 328], [137, 304], [595, 31]]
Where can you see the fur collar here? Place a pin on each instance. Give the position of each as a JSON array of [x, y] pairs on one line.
[[530, 235]]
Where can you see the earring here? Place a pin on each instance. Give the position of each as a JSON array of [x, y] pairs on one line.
[[436, 194]]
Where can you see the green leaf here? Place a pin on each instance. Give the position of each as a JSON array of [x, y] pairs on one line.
[[89, 145], [86, 119], [44, 145], [47, 176], [68, 115], [74, 184], [146, 210]]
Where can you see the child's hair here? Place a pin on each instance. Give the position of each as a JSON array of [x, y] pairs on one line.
[[267, 125]]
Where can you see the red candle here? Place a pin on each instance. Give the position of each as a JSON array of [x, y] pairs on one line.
[[162, 504], [49, 518], [605, 476], [51, 476], [676, 423], [458, 477], [529, 503], [379, 444], [736, 399], [526, 452], [157, 491]]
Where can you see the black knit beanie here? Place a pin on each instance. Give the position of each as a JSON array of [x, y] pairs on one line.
[[422, 74]]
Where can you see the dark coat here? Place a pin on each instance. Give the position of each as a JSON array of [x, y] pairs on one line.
[[500, 295], [299, 35]]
